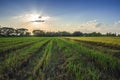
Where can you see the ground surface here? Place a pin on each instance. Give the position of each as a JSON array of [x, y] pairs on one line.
[[54, 58]]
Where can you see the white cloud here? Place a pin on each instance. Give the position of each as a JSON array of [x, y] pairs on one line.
[[90, 26], [30, 17], [99, 25], [117, 22], [95, 26]]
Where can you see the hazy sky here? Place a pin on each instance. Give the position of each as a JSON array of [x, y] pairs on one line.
[[63, 15]]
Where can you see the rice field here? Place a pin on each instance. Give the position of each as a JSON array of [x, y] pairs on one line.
[[60, 58]]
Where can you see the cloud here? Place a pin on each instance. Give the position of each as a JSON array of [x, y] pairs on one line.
[[92, 24], [30, 17], [99, 25], [88, 26], [117, 22], [45, 17], [95, 26], [17, 17]]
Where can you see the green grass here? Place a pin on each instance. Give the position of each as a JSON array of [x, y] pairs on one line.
[[54, 58]]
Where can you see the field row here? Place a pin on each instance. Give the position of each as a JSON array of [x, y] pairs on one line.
[[111, 42], [55, 59], [105, 45]]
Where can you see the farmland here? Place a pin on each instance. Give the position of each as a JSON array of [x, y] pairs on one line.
[[60, 58]]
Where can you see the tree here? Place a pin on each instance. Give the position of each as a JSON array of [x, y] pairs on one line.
[[27, 34], [21, 32], [118, 35], [77, 33], [38, 32], [110, 34], [95, 34], [64, 33], [6, 31]]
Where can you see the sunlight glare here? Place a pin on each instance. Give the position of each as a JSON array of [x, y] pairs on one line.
[[34, 17]]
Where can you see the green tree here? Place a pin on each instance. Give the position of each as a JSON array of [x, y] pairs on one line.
[[38, 32]]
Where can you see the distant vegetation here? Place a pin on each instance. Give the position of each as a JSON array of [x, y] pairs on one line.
[[7, 31]]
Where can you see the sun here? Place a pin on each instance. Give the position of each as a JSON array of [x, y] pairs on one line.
[[37, 21], [34, 17]]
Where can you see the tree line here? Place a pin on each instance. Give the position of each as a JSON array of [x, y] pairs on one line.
[[75, 33], [7, 31]]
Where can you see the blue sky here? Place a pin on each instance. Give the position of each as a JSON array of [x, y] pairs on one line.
[[66, 14]]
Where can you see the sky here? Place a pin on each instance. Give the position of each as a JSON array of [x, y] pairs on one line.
[[62, 15]]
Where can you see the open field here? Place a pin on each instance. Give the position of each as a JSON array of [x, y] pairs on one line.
[[60, 58], [115, 41]]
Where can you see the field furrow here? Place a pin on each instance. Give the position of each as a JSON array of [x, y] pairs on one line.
[[104, 63], [111, 51], [9, 49], [54, 58], [28, 65], [18, 58], [53, 69]]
